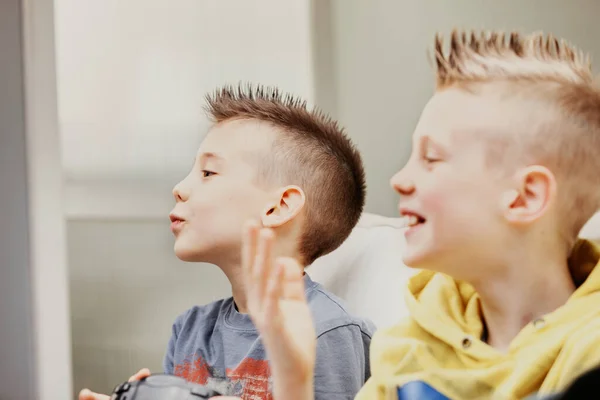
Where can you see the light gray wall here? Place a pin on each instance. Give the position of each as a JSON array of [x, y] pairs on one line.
[[16, 315], [324, 62], [383, 77]]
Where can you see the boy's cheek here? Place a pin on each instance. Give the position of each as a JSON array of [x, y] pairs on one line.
[[435, 201]]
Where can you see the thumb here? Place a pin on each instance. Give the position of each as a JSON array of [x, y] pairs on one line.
[[141, 374], [87, 394]]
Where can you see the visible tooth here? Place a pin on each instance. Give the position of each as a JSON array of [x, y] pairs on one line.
[[410, 220], [405, 221]]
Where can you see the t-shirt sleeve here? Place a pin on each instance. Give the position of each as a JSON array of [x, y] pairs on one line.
[[342, 364]]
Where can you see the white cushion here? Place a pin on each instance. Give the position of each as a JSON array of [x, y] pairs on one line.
[[367, 270], [591, 230]]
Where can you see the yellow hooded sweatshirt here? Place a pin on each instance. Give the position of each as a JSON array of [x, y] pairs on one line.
[[437, 352]]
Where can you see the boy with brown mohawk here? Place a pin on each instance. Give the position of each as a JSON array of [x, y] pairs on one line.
[[504, 173], [267, 157]]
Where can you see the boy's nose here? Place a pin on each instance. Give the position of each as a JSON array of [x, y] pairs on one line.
[[401, 184], [179, 193]]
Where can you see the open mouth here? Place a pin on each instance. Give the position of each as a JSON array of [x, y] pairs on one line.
[[175, 219], [412, 219]]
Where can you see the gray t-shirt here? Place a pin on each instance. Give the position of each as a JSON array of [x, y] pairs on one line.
[[216, 346]]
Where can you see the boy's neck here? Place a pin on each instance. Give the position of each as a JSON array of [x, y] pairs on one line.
[[235, 276], [533, 284]]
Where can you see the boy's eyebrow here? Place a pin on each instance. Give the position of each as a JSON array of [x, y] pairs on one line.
[[427, 141], [210, 156]]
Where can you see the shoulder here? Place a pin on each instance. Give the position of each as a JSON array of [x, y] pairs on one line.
[[579, 352], [330, 313], [586, 337], [201, 317], [404, 334]]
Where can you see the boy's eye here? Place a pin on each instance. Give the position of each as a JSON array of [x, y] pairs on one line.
[[206, 173]]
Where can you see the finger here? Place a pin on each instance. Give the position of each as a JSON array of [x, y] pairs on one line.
[[293, 282], [249, 239], [273, 293], [87, 394], [262, 264], [141, 374]]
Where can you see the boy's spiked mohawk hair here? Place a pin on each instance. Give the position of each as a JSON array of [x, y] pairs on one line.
[[566, 133], [252, 93], [311, 151], [272, 105], [482, 56]]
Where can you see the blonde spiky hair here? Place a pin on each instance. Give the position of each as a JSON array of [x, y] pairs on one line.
[[494, 55], [566, 135]]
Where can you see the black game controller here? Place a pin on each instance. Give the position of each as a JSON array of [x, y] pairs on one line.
[[162, 387]]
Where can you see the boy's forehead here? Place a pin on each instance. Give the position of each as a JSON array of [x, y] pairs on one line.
[[452, 112], [230, 138]]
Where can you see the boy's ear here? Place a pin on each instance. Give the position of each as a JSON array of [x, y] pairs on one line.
[[530, 198], [289, 202]]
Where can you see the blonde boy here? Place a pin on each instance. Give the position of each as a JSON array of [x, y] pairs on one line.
[[503, 175]]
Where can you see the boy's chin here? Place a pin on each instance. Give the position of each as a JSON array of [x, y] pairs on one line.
[[186, 257], [415, 257], [187, 254], [418, 257], [411, 262]]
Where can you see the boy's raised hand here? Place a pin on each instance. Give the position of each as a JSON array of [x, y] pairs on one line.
[[277, 305]]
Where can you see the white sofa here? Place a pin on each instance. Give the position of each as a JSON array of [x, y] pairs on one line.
[[367, 269], [592, 229]]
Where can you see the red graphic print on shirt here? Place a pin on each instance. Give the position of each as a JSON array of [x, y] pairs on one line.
[[249, 380]]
